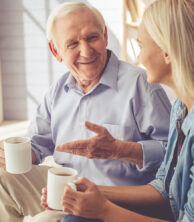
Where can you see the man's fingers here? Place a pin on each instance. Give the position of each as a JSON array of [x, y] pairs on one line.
[[80, 152], [70, 146], [86, 152], [94, 127]]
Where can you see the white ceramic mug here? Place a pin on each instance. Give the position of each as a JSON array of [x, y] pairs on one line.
[[18, 155], [57, 179]]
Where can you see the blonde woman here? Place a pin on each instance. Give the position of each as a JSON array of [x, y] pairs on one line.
[[166, 39]]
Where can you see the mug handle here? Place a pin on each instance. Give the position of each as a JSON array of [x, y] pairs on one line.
[[72, 185]]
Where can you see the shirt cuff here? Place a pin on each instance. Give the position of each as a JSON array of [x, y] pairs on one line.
[[153, 154], [159, 186]]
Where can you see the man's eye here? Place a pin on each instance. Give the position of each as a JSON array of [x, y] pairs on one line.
[[92, 38], [72, 45]]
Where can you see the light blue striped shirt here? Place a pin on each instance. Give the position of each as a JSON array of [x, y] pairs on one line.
[[123, 102]]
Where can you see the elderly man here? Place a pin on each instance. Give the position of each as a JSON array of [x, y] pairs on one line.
[[129, 146]]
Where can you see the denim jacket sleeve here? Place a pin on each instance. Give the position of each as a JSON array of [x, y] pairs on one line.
[[159, 182], [189, 204]]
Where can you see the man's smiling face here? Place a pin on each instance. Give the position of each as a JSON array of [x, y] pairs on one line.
[[81, 44]]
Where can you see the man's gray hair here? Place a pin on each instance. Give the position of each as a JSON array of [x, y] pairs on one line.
[[66, 8]]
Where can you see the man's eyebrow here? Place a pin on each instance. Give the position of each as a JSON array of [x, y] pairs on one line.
[[90, 34], [69, 41], [93, 33]]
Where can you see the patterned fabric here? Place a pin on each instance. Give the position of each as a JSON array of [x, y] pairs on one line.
[[181, 135]]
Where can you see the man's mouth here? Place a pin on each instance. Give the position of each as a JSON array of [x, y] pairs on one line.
[[93, 60]]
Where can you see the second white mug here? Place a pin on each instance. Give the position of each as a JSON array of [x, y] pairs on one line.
[[57, 179]]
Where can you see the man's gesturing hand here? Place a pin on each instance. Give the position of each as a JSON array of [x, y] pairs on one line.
[[101, 146]]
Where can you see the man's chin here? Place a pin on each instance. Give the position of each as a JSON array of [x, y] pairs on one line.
[[89, 76]]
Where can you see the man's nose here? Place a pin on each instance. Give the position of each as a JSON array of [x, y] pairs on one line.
[[85, 49]]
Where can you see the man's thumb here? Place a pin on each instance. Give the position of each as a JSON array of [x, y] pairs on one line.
[[94, 127]]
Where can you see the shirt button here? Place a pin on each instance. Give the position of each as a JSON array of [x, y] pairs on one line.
[[174, 168], [170, 197]]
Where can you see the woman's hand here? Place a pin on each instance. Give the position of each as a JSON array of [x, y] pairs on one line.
[[44, 199], [87, 201]]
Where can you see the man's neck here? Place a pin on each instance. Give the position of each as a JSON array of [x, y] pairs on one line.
[[86, 86]]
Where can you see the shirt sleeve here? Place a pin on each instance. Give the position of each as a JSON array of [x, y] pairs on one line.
[[153, 118], [40, 130], [158, 183], [189, 205]]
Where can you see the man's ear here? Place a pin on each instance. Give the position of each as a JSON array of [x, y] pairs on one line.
[[166, 58], [54, 51], [106, 35]]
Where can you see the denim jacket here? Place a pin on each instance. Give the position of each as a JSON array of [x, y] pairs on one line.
[[175, 181]]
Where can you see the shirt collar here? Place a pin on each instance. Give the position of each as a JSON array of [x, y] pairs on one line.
[[108, 78], [188, 122], [110, 74], [179, 110], [70, 82]]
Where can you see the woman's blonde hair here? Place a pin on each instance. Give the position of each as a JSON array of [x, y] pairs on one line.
[[66, 8], [170, 23]]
